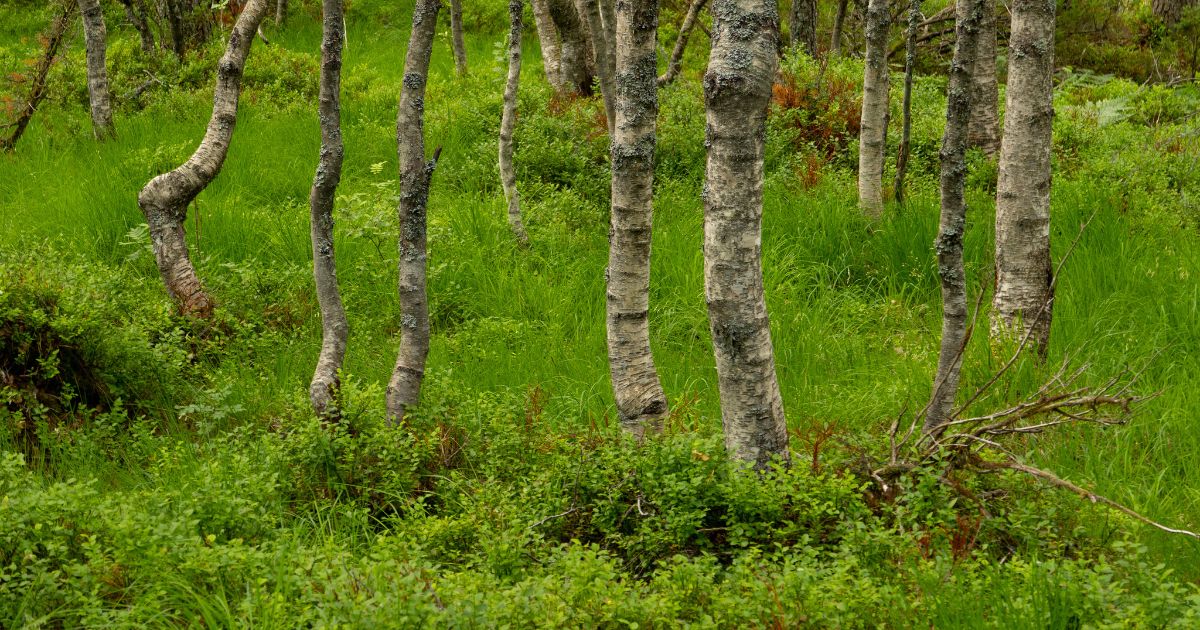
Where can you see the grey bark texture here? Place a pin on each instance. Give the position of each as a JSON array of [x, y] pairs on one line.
[[949, 243], [910, 58], [165, 199], [839, 20], [641, 403], [1169, 11], [322, 391], [984, 131], [456, 37], [608, 16], [37, 86], [508, 121], [404, 388], [141, 23], [675, 63], [573, 70], [94, 37], [548, 41], [804, 25], [589, 10], [737, 91], [1024, 297], [872, 140], [281, 11]]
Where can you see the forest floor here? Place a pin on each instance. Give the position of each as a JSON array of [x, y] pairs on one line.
[[159, 471]]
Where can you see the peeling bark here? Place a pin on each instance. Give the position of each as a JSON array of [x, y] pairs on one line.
[[94, 36], [404, 389], [456, 37], [984, 130], [910, 58], [949, 243], [641, 403], [872, 140], [804, 25], [573, 70], [548, 41], [508, 120], [1024, 297], [589, 10], [737, 90], [323, 389], [675, 64], [165, 198], [37, 86]]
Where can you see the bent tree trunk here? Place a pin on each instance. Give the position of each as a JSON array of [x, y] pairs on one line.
[[949, 243], [873, 137], [165, 198], [456, 37], [573, 71], [37, 85], [984, 130], [589, 10], [508, 120], [737, 90], [685, 31], [641, 402], [1024, 298], [804, 25], [334, 328], [910, 58], [404, 389], [94, 35], [548, 41]]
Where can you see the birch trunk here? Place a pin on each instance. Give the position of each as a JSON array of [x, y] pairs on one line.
[[641, 402], [573, 68], [737, 90], [675, 63], [910, 58], [1169, 11], [804, 25], [175, 22], [1024, 299], [949, 243], [137, 17], [873, 137], [37, 86], [94, 36], [984, 130], [334, 328], [281, 11], [404, 389], [608, 16], [589, 10], [165, 198], [508, 120], [839, 20], [548, 41], [456, 37]]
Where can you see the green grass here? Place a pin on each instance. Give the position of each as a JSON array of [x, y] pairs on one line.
[[855, 322]]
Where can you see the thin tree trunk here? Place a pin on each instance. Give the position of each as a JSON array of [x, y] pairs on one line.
[[508, 120], [456, 37], [37, 87], [685, 31], [984, 131], [873, 137], [548, 41], [94, 36], [737, 90], [839, 20], [589, 10], [804, 25], [165, 198], [334, 327], [573, 64], [910, 58], [174, 15], [608, 13], [1024, 298], [641, 402], [281, 11], [949, 243], [404, 389], [137, 17]]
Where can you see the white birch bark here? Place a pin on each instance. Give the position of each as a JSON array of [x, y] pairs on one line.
[[456, 37], [548, 42], [872, 141], [404, 388], [508, 121], [165, 199], [737, 90], [573, 68], [1024, 298], [984, 131], [94, 36]]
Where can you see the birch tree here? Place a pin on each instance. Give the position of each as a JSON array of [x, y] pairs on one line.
[[456, 37], [641, 402], [675, 61], [949, 243], [910, 59], [94, 36], [984, 129], [804, 25], [574, 72], [38, 79], [404, 388], [334, 327], [136, 13], [589, 10], [737, 90], [873, 135], [839, 20], [1024, 297], [548, 42], [164, 200], [508, 120]]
